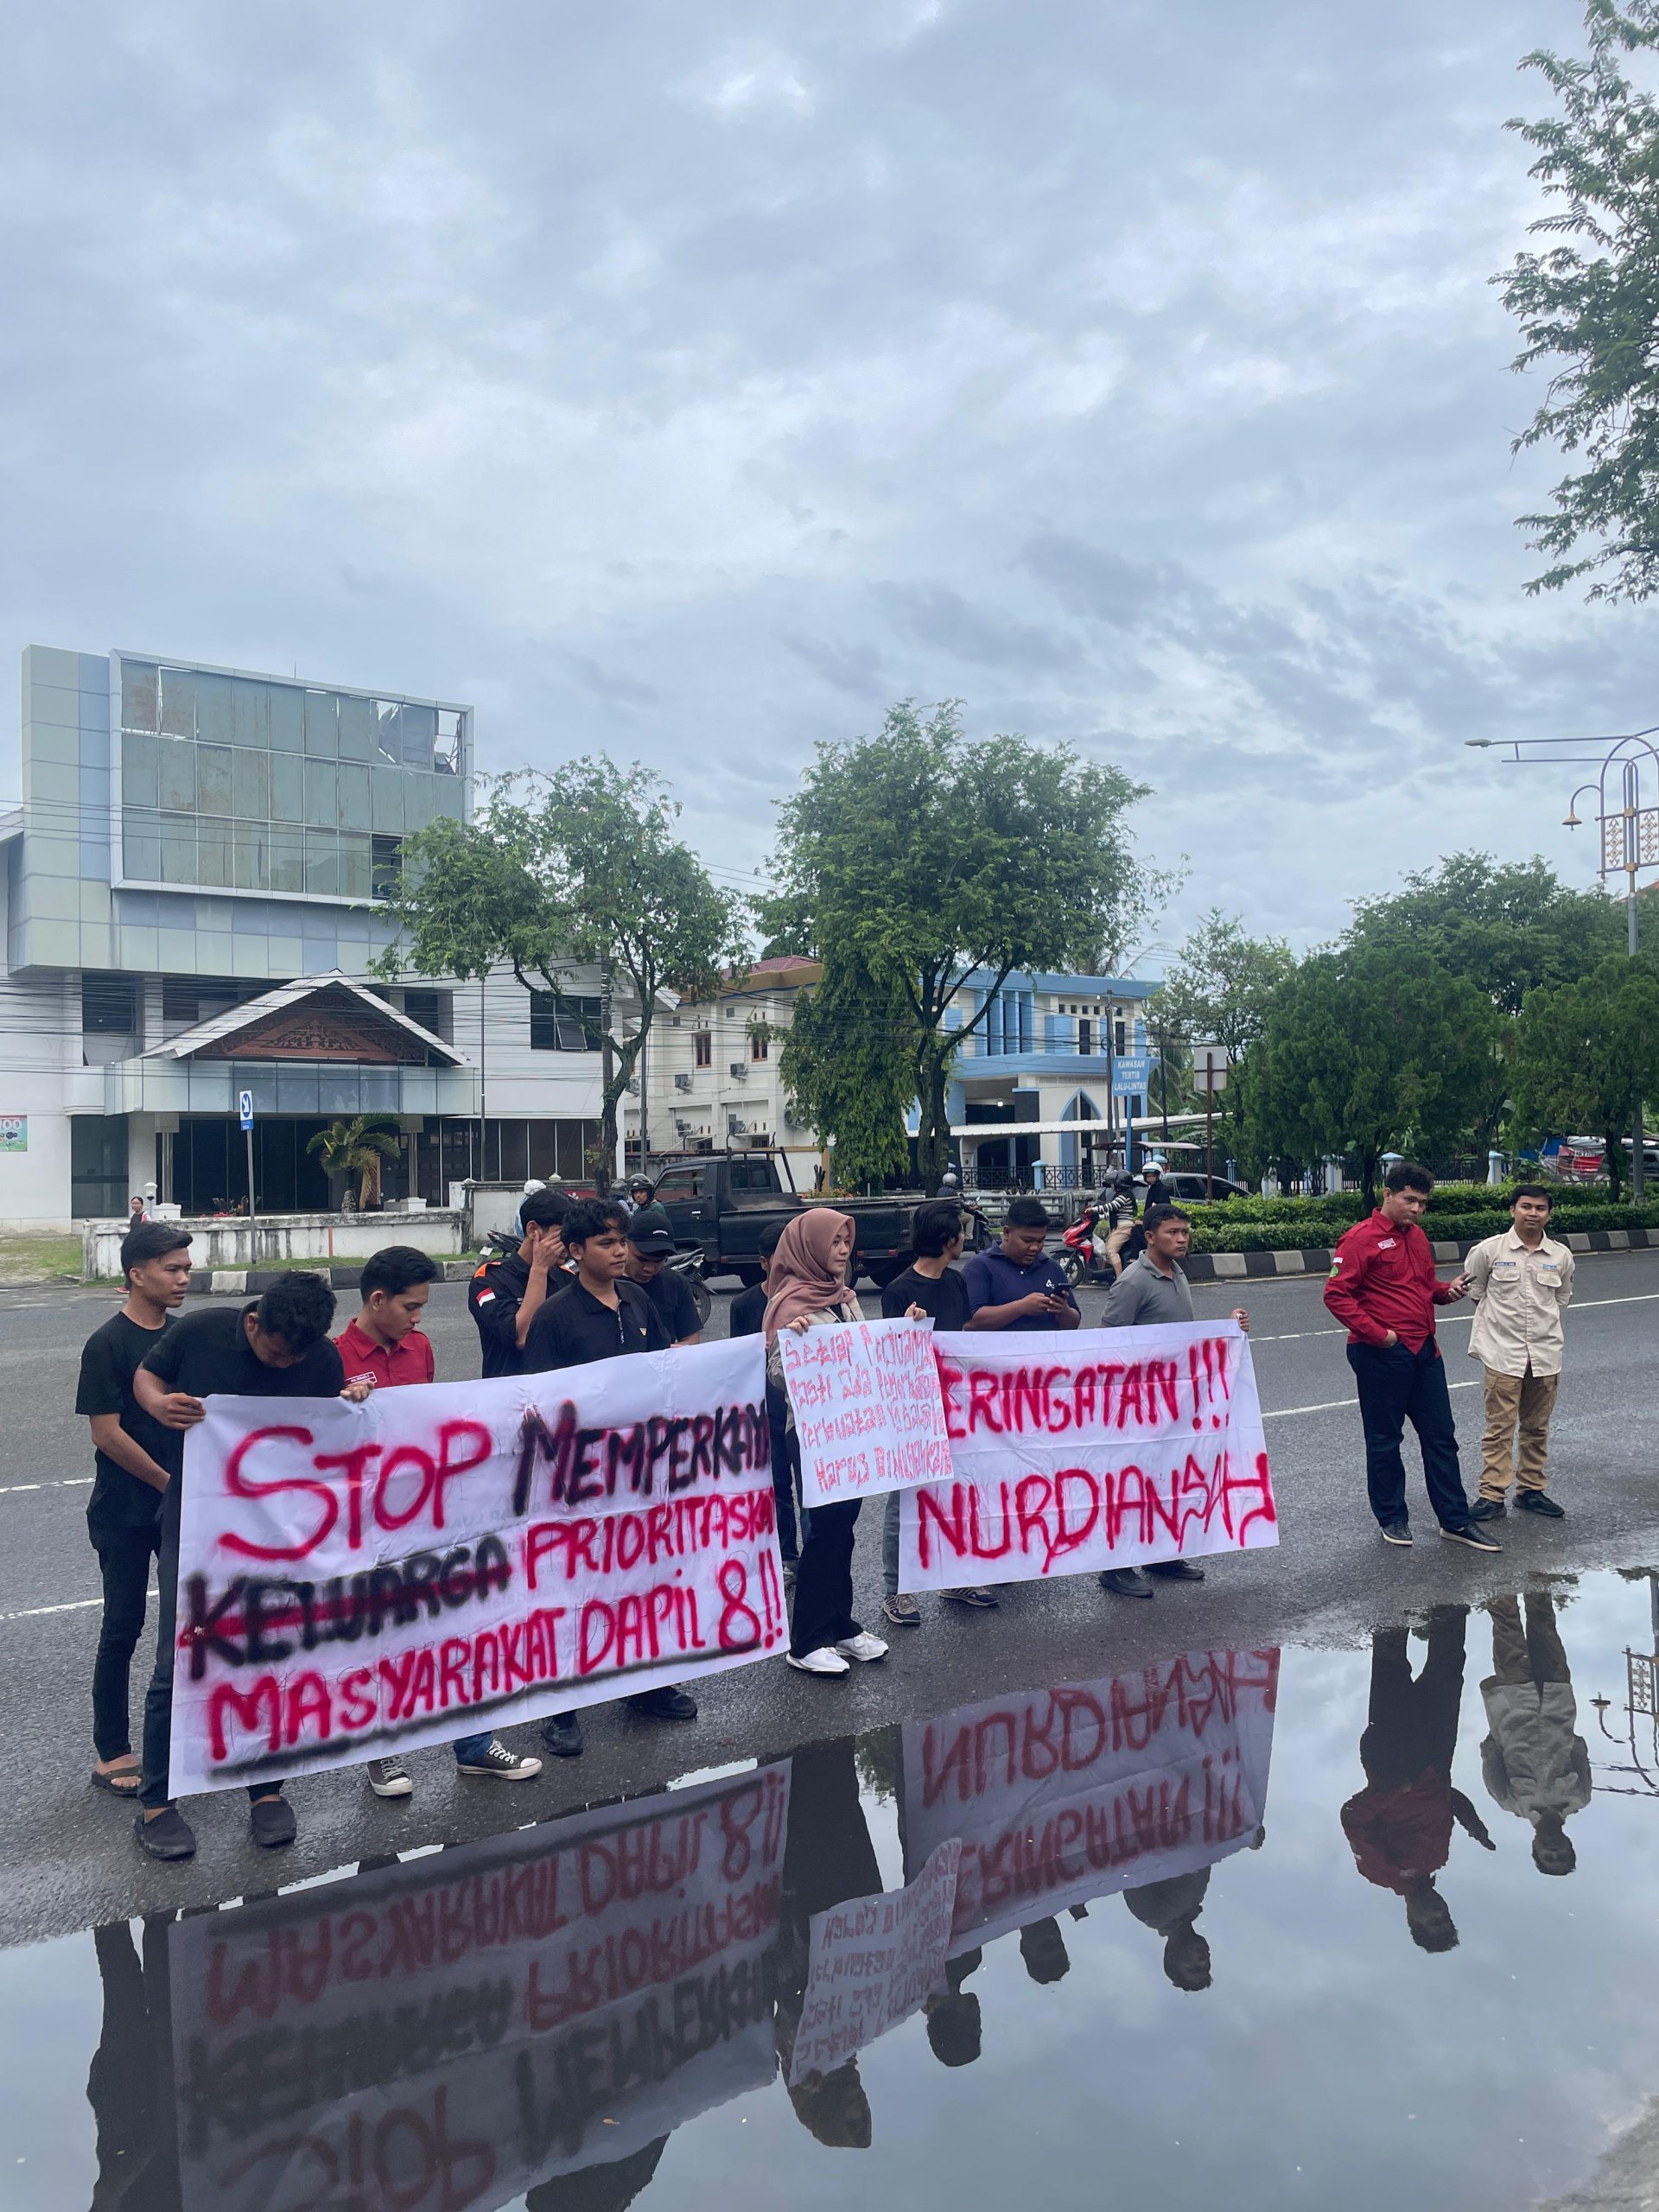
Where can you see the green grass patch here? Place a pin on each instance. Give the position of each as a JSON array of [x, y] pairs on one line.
[[26, 1258]]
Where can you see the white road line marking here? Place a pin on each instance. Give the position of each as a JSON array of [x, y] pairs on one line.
[[74, 1605], [1283, 1413], [66, 1482], [1579, 1306]]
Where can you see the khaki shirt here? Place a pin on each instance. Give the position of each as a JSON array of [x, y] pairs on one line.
[[1519, 1298]]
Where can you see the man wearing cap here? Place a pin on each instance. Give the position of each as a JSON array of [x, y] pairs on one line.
[[649, 1250]]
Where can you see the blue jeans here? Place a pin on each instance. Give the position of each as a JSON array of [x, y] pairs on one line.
[[1397, 1386], [473, 1747]]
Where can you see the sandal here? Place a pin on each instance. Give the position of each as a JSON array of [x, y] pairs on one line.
[[120, 1781]]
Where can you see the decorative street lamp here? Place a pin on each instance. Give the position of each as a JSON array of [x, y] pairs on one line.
[[1629, 823]]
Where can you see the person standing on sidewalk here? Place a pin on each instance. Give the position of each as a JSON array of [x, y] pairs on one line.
[[930, 1287], [1521, 1281], [1151, 1289], [387, 1343], [130, 1456], [1383, 1288]]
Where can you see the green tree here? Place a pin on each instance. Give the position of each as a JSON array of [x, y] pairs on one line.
[[360, 1147], [849, 1064], [1507, 927], [582, 867], [1587, 304], [923, 860], [1365, 1053], [1586, 1054], [1222, 981]]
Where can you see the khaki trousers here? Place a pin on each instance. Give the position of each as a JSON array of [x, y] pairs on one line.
[[1523, 1401]]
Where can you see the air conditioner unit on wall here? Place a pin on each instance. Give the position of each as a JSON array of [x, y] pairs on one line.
[[736, 1128], [682, 1083], [739, 1071]]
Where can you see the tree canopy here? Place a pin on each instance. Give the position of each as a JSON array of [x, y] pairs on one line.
[[919, 860], [1223, 982], [848, 1064], [1585, 1053], [1368, 1052], [1587, 304], [582, 867]]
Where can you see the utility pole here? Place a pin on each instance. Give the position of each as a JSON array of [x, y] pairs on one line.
[[1209, 1122]]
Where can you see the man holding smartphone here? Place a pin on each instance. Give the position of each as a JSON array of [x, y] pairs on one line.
[[1016, 1284]]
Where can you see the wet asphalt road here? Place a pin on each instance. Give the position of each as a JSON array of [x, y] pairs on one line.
[[72, 1862]]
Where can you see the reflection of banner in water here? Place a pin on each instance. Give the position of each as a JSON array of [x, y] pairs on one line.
[[1064, 1795], [441, 2035], [876, 1961], [355, 1579]]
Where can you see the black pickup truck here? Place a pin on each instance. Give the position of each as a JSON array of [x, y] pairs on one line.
[[723, 1200]]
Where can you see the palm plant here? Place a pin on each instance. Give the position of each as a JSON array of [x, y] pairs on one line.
[[358, 1147]]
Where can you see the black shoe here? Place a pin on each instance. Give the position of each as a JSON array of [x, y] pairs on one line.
[[1488, 1508], [1127, 1582], [1396, 1532], [1176, 1570], [668, 1703], [272, 1822], [1475, 1538], [1539, 1501], [561, 1735], [169, 1835]]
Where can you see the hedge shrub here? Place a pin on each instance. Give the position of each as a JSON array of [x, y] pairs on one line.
[[1223, 1230]]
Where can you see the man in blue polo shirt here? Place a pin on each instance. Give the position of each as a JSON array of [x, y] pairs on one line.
[[1016, 1284]]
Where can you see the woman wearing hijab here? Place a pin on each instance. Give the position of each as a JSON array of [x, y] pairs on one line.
[[807, 1288]]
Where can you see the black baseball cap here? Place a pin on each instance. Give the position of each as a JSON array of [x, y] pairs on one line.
[[651, 1240]]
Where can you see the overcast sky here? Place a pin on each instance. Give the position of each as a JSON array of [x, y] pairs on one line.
[[692, 381]]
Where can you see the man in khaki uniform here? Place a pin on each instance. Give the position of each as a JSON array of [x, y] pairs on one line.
[[1521, 1281]]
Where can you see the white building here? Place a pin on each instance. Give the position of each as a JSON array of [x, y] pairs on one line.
[[711, 1082], [193, 888]]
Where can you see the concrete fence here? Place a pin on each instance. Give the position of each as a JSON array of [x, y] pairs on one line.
[[234, 1242]]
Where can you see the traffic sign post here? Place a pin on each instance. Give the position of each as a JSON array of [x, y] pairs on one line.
[[1131, 1071], [244, 1101]]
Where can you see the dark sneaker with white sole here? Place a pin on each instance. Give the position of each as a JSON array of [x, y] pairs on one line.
[[1474, 1536], [500, 1765], [1539, 1501], [1396, 1532]]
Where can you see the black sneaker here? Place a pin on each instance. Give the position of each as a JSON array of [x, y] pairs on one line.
[[499, 1763], [272, 1822], [1475, 1538], [1176, 1570], [1488, 1508], [169, 1835], [1539, 1501], [1396, 1532], [1127, 1582], [669, 1704], [561, 1735]]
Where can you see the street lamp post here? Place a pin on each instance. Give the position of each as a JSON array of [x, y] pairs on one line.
[[1629, 831]]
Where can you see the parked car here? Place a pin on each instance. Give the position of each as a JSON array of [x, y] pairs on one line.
[[1186, 1188]]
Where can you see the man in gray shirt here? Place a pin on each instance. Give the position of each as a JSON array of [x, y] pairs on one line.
[[1153, 1289]]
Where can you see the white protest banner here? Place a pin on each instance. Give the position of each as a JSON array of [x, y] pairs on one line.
[[1094, 1448], [867, 1412], [874, 1962], [451, 2031], [356, 1580], [1063, 1794]]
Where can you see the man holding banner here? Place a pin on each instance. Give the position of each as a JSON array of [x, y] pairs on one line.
[[275, 1347], [1154, 1288]]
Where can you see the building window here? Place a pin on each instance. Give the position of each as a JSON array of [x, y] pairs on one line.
[[432, 1009], [757, 1044], [702, 1048], [109, 1005], [560, 1023], [386, 867], [1085, 1034], [1119, 1046]]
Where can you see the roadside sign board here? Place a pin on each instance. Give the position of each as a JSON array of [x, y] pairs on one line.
[[1131, 1073], [244, 1103]]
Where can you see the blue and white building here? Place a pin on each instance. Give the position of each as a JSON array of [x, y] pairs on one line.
[[193, 888], [1031, 1096]]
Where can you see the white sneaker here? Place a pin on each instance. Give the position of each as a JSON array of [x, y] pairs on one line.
[[824, 1661], [390, 1778], [862, 1646], [501, 1763]]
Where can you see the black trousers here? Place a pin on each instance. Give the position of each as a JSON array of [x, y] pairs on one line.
[[1397, 1386], [153, 1791], [786, 1453], [823, 1581], [123, 1557], [1413, 1723]]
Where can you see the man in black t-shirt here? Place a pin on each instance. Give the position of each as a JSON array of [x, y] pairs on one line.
[[932, 1286], [649, 1250], [748, 1314], [601, 1315], [129, 1463], [505, 1295], [275, 1347]]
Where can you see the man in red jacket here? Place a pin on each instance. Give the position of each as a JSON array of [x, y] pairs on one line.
[[1383, 1288]]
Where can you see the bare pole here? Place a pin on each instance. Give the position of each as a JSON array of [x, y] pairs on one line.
[[1209, 1123]]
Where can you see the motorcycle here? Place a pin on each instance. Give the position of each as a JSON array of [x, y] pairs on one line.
[[1077, 1258]]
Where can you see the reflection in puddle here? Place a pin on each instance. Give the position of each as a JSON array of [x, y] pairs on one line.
[[696, 1999]]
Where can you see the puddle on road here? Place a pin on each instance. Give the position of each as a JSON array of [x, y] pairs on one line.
[[1255, 1927]]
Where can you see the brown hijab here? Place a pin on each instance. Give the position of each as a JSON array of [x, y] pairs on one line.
[[803, 1278]]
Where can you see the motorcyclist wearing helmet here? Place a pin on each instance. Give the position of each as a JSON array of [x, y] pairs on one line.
[[1118, 1218]]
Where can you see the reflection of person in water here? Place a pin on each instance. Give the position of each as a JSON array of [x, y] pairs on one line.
[[1399, 1825], [1170, 1908], [1536, 1765], [598, 2188], [1042, 1947], [953, 2022], [828, 1857], [129, 2084]]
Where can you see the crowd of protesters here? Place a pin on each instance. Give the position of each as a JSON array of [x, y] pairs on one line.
[[590, 1280]]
